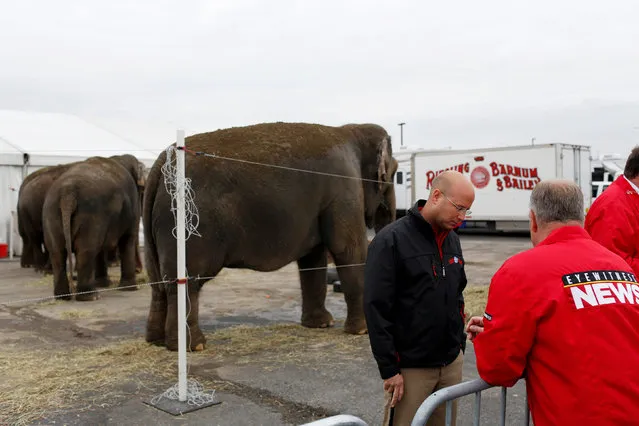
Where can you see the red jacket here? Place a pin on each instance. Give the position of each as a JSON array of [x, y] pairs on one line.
[[613, 221], [565, 315]]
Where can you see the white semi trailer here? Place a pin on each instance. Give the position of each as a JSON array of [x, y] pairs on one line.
[[503, 178]]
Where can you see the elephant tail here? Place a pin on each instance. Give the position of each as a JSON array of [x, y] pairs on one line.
[[68, 204]]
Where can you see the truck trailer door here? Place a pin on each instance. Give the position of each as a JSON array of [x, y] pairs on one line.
[[575, 166]]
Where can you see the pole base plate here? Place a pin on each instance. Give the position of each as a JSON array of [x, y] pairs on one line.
[[177, 407]]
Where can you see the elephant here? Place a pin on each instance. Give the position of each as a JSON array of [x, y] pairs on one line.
[[319, 194], [89, 210], [30, 201]]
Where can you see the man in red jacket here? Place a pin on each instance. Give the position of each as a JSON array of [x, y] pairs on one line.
[[565, 316], [613, 219]]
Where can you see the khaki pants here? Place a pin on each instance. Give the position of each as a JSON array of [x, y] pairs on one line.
[[419, 383]]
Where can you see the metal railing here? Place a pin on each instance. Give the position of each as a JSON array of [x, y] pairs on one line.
[[448, 394], [339, 420], [426, 409]]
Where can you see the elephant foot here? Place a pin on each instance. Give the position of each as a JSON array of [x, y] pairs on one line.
[[320, 318], [62, 293], [154, 340], [197, 344], [63, 296], [355, 326], [87, 296], [129, 285], [102, 282], [198, 347], [155, 335]]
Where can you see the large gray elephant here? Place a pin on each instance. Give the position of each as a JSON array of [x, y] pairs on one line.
[[263, 218], [89, 210], [30, 200]]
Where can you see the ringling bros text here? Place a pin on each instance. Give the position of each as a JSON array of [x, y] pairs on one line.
[[507, 176]]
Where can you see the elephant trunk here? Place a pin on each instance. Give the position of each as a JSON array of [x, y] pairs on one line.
[[67, 207], [387, 210]]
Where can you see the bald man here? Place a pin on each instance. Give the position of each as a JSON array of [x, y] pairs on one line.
[[413, 301]]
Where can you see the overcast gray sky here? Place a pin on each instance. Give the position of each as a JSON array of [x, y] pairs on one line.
[[460, 74]]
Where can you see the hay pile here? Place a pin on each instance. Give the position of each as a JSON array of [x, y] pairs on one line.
[[39, 383]]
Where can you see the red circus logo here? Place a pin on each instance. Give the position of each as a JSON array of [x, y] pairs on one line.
[[480, 177]]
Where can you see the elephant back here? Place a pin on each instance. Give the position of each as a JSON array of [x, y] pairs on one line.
[[279, 141]]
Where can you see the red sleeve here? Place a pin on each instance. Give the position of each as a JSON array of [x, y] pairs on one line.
[[614, 229], [510, 324]]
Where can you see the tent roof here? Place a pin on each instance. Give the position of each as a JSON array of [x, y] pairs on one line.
[[57, 138]]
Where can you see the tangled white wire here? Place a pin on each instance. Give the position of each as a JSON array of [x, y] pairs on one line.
[[194, 391], [192, 220]]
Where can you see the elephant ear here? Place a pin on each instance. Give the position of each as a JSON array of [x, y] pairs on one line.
[[383, 159], [394, 165]]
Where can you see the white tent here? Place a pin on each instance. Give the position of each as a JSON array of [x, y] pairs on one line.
[[32, 140]]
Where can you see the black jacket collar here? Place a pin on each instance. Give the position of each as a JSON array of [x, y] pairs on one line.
[[418, 219]]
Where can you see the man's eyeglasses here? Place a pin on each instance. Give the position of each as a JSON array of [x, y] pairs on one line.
[[459, 208]]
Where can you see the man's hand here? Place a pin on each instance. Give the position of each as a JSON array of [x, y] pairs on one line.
[[395, 385], [474, 327]]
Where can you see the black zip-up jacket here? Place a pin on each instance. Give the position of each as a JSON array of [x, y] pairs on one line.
[[413, 298]]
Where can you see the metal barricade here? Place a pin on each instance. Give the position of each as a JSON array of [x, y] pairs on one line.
[[425, 410], [450, 393], [339, 420]]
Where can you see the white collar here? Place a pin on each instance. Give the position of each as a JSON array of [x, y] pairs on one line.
[[635, 187]]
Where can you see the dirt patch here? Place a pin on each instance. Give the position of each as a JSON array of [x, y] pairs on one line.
[[475, 299], [60, 358], [39, 382], [76, 314]]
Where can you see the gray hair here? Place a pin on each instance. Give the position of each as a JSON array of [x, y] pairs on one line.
[[557, 201]]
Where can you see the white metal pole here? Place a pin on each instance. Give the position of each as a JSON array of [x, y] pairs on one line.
[[181, 267]]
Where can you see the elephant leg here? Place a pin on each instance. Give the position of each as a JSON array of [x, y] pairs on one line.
[[348, 248], [85, 265], [112, 257], [138, 259], [195, 339], [313, 282], [26, 260], [156, 320], [127, 264], [47, 269], [40, 256], [101, 270], [60, 279]]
